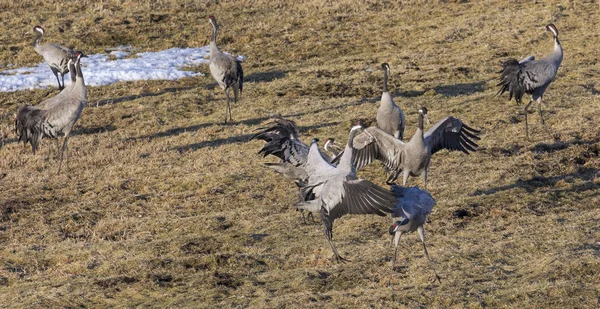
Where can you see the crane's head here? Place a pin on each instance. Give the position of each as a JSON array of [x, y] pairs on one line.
[[386, 67], [356, 127], [314, 140], [212, 20], [78, 55], [394, 227], [423, 111], [38, 29], [552, 28], [330, 141]]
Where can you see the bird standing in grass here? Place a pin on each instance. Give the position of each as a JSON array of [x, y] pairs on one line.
[[225, 69], [532, 77], [412, 207], [390, 117], [56, 56], [412, 158], [33, 122]]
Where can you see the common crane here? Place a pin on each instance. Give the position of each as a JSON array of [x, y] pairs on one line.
[[532, 77]]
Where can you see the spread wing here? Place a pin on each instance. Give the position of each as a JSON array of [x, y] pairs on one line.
[[452, 134], [375, 144], [357, 196], [281, 137], [526, 76]]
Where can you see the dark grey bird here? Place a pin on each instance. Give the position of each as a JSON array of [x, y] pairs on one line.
[[532, 77], [34, 123], [413, 158], [337, 191], [225, 69], [390, 117], [56, 56], [412, 208]]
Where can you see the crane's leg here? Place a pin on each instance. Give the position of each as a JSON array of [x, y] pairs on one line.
[[63, 79], [526, 125], [542, 118], [49, 150], [55, 72], [424, 178], [422, 236], [64, 147], [405, 177], [328, 230], [396, 240], [228, 109]]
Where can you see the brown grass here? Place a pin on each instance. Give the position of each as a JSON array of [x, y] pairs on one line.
[[163, 206]]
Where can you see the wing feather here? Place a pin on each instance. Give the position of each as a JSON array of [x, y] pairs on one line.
[[363, 197], [452, 134], [375, 144]]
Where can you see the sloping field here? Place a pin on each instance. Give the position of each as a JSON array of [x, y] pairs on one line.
[[164, 206]]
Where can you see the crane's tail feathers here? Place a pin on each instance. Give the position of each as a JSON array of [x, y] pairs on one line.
[[240, 78], [28, 125], [511, 80]]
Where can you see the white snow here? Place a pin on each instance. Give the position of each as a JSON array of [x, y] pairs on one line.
[[99, 69]]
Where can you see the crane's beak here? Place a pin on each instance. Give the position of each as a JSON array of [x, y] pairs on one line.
[[427, 119]]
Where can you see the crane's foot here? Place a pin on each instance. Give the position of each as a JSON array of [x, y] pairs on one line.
[[437, 278], [340, 259]]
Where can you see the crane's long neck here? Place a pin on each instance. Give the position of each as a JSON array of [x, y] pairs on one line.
[[73, 72], [213, 39], [37, 39], [385, 80], [418, 136], [346, 159], [557, 54], [79, 87]]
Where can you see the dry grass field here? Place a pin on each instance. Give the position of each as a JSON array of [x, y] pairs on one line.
[[164, 206]]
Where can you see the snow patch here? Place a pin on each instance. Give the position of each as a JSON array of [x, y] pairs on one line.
[[105, 69]]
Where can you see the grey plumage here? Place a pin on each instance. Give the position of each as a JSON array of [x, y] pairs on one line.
[[282, 140], [337, 191], [413, 158], [225, 69], [56, 56], [412, 208], [50, 102], [390, 117], [531, 76], [33, 122]]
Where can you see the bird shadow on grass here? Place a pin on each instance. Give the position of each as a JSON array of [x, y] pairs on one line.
[[408, 93], [242, 138], [460, 89], [94, 130], [138, 96], [549, 148], [263, 77], [249, 122], [539, 182]]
